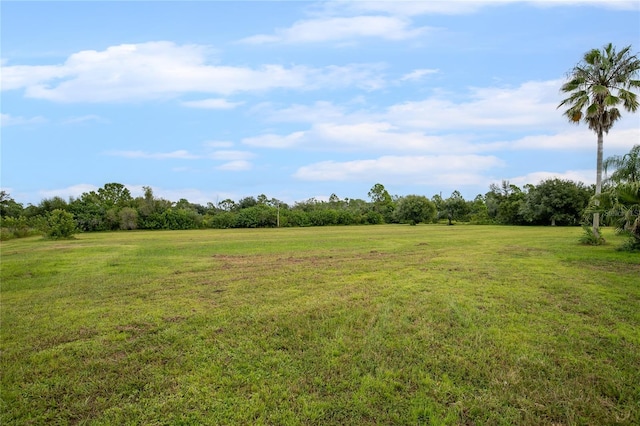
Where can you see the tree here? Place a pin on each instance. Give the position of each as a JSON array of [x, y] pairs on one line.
[[454, 207], [48, 205], [505, 203], [114, 194], [414, 209], [247, 202], [627, 167], [556, 202], [597, 86], [8, 206], [478, 213], [382, 201], [227, 205]]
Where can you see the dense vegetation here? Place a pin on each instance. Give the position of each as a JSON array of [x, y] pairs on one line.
[[113, 208]]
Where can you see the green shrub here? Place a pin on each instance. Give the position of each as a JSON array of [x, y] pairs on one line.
[[128, 218], [589, 238], [15, 227], [59, 224], [220, 220]]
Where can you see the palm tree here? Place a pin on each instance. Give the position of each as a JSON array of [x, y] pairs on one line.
[[621, 204], [627, 166], [597, 86]]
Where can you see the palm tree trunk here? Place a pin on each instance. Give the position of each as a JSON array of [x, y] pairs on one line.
[[596, 216]]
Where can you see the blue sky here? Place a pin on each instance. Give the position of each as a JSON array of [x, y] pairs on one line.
[[209, 100]]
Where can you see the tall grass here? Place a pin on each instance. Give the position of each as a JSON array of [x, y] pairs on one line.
[[346, 325]]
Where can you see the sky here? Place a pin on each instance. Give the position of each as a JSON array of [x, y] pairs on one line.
[[210, 100]]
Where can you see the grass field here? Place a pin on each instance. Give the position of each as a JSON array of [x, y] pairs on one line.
[[385, 324]]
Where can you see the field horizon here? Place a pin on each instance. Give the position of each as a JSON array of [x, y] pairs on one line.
[[384, 324]]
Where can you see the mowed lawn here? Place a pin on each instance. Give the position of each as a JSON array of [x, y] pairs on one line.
[[389, 324]]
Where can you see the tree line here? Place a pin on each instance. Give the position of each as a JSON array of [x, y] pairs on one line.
[[551, 202], [112, 207]]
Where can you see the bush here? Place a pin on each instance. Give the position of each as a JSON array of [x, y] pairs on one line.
[[295, 218], [414, 209], [374, 218], [589, 238], [258, 216], [128, 218], [220, 220], [181, 219], [15, 227], [59, 224], [632, 244]]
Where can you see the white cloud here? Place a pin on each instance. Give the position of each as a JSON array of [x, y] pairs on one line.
[[19, 76], [275, 141], [585, 176], [370, 135], [11, 120], [70, 191], [161, 70], [218, 144], [214, 103], [179, 154], [584, 139], [236, 166], [527, 106], [439, 124], [231, 155], [439, 169], [341, 28], [320, 111], [458, 7], [417, 75], [85, 119], [605, 4]]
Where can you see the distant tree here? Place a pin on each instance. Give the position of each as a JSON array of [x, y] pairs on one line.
[[8, 206], [48, 205], [88, 212], [247, 202], [505, 203], [227, 205], [454, 208], [151, 210], [414, 209], [478, 212], [598, 85], [382, 201], [114, 194], [556, 202], [438, 201]]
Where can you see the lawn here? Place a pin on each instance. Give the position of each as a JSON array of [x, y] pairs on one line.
[[386, 324]]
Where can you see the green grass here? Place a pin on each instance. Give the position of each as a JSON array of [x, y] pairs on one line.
[[384, 324]]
